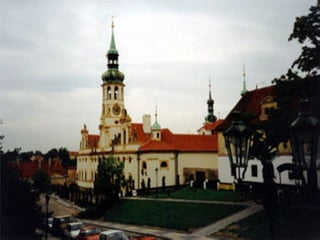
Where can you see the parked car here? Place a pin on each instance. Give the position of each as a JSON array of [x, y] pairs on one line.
[[72, 230], [60, 222], [89, 233], [143, 238], [44, 224], [113, 235]]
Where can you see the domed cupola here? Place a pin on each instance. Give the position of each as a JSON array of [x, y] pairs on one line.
[[112, 74], [210, 117]]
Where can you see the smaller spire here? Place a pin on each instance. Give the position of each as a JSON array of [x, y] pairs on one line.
[[244, 88], [210, 117], [112, 49], [156, 125]]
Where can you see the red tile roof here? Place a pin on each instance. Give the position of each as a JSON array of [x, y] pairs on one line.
[[29, 169], [250, 103], [212, 126], [93, 140], [174, 142]]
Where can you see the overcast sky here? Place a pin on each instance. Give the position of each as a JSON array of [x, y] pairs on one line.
[[53, 54]]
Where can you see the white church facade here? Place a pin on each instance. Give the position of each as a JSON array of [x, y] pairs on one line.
[[152, 155]]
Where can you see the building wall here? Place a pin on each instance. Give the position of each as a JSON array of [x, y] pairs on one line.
[[254, 170], [192, 163], [165, 164]]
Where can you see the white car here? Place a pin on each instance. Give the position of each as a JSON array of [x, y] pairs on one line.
[[72, 230], [113, 235]]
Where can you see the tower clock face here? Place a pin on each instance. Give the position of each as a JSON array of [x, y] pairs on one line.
[[116, 109]]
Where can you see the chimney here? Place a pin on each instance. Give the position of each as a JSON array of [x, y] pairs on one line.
[[146, 123]]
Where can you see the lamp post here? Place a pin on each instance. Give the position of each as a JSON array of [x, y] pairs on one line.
[[157, 170], [47, 196], [238, 139], [305, 131], [237, 142]]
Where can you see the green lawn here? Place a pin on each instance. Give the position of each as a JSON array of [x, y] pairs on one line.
[[291, 223], [200, 194], [171, 215]]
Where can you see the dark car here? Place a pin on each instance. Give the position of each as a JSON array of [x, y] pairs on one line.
[[60, 222], [89, 233]]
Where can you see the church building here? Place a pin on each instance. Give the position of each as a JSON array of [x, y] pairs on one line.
[[152, 155]]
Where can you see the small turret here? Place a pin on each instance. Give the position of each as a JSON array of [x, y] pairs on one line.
[[210, 117], [156, 128]]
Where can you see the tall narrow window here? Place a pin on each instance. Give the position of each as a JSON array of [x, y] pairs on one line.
[[124, 137], [254, 170], [109, 93], [116, 93]]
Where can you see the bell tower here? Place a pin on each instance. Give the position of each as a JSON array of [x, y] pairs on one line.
[[114, 120]]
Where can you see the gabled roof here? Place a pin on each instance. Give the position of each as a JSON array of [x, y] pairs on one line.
[[250, 103], [211, 126]]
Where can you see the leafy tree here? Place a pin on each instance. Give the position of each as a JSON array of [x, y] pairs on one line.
[[52, 153], [301, 80], [109, 178], [61, 154], [20, 214], [26, 156], [41, 181]]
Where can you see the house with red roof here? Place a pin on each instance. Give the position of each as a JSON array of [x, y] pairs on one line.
[[257, 102], [53, 168]]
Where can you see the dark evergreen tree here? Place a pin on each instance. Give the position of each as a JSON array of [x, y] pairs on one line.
[[40, 181], [109, 178], [20, 214]]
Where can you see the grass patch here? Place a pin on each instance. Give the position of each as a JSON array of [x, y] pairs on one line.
[[291, 223], [171, 215], [200, 194]]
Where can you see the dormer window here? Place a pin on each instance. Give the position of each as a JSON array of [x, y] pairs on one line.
[[267, 106]]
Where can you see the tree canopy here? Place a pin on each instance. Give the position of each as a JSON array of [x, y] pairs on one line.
[[109, 178], [301, 81], [20, 214]]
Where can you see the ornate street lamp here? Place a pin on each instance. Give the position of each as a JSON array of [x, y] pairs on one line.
[[47, 197], [157, 170], [305, 142], [237, 142]]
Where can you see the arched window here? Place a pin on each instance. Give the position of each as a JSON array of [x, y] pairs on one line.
[[164, 164], [116, 93], [109, 94], [144, 165]]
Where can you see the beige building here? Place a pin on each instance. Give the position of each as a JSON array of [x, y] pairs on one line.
[[152, 155]]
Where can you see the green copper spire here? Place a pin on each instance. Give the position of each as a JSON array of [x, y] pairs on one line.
[[156, 125], [244, 88], [112, 74], [112, 49]]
